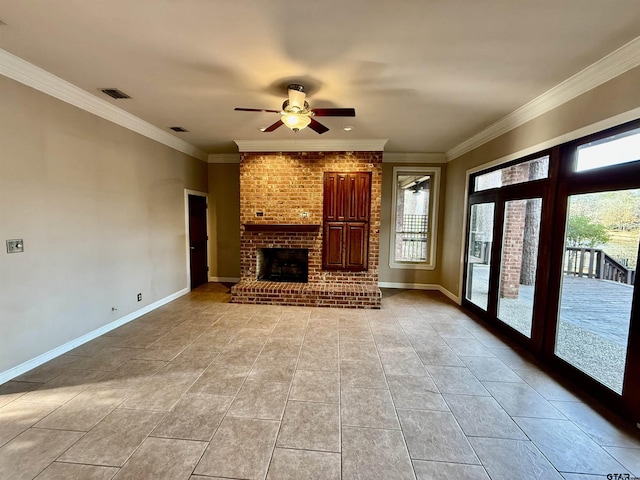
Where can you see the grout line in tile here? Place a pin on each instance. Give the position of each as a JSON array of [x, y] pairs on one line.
[[275, 440]]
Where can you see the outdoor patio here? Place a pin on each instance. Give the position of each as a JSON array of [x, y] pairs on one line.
[[593, 326]]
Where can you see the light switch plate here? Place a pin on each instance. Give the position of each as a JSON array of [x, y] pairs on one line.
[[15, 246]]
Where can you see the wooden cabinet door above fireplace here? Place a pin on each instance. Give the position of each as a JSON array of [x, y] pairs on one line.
[[347, 196], [347, 203]]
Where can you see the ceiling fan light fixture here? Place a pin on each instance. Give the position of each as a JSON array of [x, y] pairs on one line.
[[296, 113], [295, 121]]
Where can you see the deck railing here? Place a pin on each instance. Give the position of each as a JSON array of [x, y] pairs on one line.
[[595, 263], [413, 236]]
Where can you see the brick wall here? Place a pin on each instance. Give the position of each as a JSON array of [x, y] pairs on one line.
[[512, 241], [283, 186]]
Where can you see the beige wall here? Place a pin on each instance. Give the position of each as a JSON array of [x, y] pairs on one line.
[[101, 211], [400, 275], [613, 98], [224, 218]]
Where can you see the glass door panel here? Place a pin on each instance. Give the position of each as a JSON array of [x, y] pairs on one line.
[[599, 266], [479, 254], [518, 266]]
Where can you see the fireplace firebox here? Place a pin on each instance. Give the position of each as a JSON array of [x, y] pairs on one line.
[[283, 264]]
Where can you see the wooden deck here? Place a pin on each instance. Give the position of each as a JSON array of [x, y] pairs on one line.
[[602, 307]]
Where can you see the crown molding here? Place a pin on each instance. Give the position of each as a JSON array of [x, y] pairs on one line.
[[311, 145], [223, 158], [616, 63], [28, 74], [431, 157], [610, 122]]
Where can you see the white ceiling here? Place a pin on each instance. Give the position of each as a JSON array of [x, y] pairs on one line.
[[425, 74]]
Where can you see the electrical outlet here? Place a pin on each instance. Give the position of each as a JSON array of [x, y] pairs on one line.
[[139, 297], [15, 246]]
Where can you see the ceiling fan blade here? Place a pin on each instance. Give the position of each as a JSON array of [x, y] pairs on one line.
[[334, 112], [256, 110], [316, 126], [271, 128]]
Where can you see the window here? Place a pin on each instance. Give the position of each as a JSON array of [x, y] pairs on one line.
[[414, 217], [551, 259], [521, 172], [621, 148]]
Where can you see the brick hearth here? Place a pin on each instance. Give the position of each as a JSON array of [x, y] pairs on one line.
[[287, 189], [307, 294]]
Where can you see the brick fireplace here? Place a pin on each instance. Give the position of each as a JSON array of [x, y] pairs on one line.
[[281, 207], [283, 264]]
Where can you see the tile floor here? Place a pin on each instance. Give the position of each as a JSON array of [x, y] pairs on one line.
[[204, 389]]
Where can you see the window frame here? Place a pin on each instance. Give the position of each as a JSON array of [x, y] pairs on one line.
[[432, 224], [563, 181]]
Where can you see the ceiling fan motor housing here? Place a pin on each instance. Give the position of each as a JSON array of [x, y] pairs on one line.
[[296, 102]]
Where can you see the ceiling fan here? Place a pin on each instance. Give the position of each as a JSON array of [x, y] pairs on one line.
[[297, 115]]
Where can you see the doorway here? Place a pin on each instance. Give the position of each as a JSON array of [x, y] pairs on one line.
[[551, 256], [596, 296], [197, 240], [503, 245]]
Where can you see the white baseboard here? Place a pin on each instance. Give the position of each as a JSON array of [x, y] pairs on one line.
[[56, 352], [421, 286], [409, 286], [451, 296], [225, 279]]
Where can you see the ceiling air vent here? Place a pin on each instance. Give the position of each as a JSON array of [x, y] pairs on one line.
[[179, 129], [114, 93]]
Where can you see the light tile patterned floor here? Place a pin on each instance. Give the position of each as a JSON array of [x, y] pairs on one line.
[[204, 389]]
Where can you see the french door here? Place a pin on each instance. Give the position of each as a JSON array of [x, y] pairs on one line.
[[504, 248], [597, 284], [552, 249]]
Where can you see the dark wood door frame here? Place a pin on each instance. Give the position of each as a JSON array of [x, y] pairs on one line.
[[197, 235], [499, 197], [562, 182], [621, 177]]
